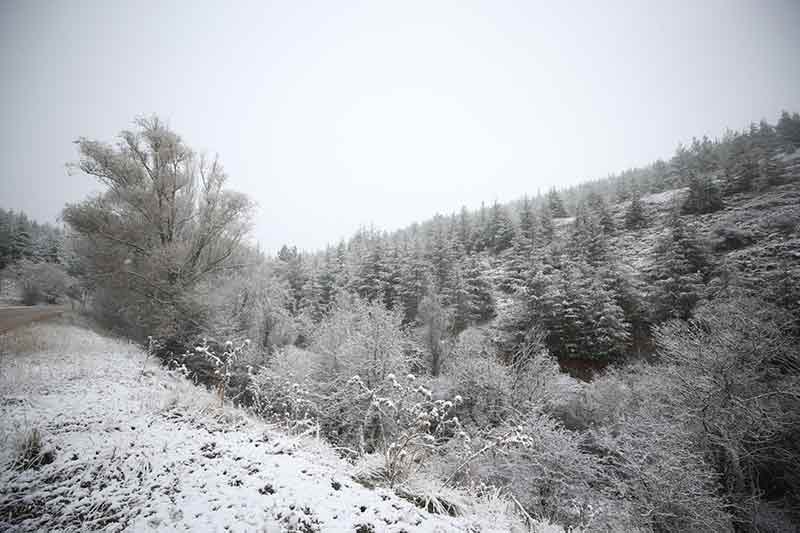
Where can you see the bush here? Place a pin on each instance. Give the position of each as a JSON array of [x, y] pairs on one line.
[[654, 467], [542, 464], [42, 282], [473, 372], [735, 374], [782, 222], [728, 238]]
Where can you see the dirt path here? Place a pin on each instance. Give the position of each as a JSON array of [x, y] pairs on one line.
[[13, 317]]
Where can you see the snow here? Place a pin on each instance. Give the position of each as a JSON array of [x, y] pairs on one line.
[[138, 448], [664, 197]]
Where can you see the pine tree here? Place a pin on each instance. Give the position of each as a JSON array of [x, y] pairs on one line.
[[518, 264], [372, 273], [6, 238], [704, 196], [527, 222], [597, 204], [556, 205], [741, 165], [442, 252], [770, 173], [392, 275], [325, 288], [481, 301], [547, 228], [678, 273], [587, 240], [634, 215], [464, 230], [479, 231], [415, 277], [291, 267], [500, 230], [21, 241], [788, 129]]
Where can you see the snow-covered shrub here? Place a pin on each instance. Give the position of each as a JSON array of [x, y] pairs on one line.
[[542, 465], [475, 374], [246, 302], [42, 282], [733, 373], [407, 425], [282, 391], [655, 469], [536, 378], [360, 338], [729, 237], [223, 361]]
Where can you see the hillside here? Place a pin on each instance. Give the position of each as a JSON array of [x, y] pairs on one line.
[[427, 359], [94, 436]]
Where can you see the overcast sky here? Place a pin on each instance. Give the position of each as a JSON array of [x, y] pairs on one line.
[[337, 114]]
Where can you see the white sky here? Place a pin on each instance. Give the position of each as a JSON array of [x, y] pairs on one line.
[[337, 114]]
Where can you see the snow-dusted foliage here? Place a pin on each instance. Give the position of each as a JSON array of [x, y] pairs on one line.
[[90, 443], [434, 359]]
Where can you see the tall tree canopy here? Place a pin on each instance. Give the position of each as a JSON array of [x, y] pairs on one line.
[[163, 222]]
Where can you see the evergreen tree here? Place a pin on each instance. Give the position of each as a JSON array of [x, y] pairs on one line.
[[788, 129], [547, 228], [500, 229], [291, 268], [704, 196], [325, 287], [579, 312], [741, 165], [471, 298], [678, 274], [587, 240], [518, 264], [6, 238], [21, 241], [770, 173], [415, 277], [479, 231], [597, 204], [371, 275], [442, 252], [634, 215], [527, 222], [556, 205], [464, 230]]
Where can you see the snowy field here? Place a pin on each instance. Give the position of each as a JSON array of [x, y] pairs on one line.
[[95, 437]]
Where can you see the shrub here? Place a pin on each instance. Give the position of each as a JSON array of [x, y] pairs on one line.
[[474, 373], [42, 282], [735, 375], [728, 238], [360, 338], [653, 465], [542, 464]]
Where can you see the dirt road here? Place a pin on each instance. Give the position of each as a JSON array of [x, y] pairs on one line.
[[13, 317]]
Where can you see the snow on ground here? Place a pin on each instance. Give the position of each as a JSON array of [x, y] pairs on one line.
[[664, 197], [138, 448]]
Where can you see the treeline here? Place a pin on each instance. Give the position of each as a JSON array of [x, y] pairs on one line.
[[555, 272], [33, 261], [23, 238]]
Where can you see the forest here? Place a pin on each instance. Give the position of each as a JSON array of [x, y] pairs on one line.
[[619, 355]]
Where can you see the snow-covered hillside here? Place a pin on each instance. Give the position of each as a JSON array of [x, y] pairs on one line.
[[115, 442]]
